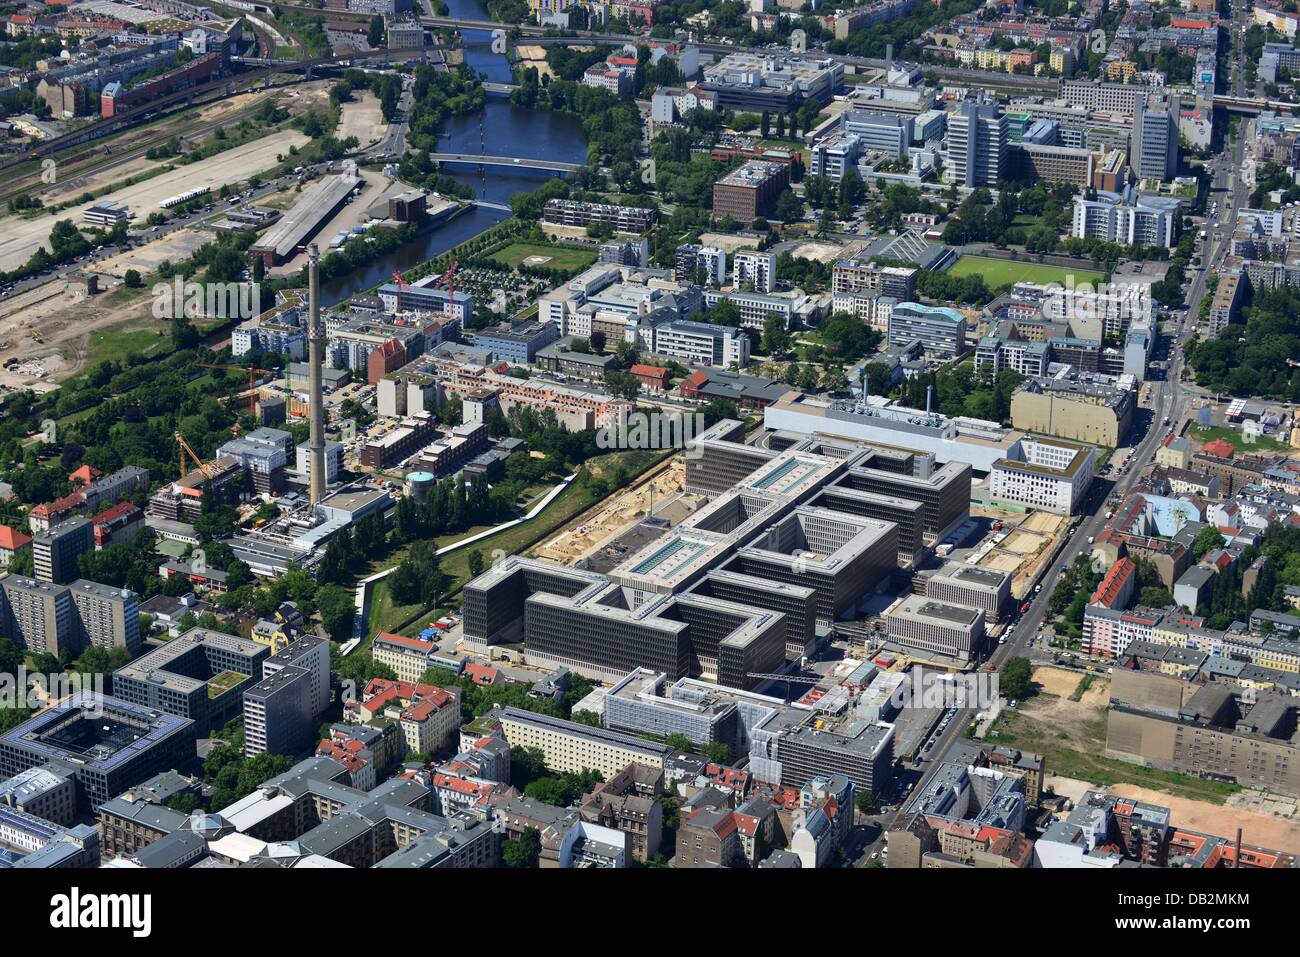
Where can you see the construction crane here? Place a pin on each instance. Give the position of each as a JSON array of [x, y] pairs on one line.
[[253, 371], [449, 277], [207, 470], [788, 679], [401, 284]]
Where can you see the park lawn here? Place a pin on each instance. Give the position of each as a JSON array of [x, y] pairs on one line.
[[561, 257], [1263, 443], [1001, 273], [118, 343]]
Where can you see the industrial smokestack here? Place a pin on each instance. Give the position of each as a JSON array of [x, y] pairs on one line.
[[929, 392], [889, 58], [1236, 861], [315, 347]]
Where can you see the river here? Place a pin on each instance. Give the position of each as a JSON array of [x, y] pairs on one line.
[[501, 129]]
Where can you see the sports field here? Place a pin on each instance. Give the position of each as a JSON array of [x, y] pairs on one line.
[[557, 257], [1001, 273]]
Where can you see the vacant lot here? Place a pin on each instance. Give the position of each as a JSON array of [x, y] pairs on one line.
[[1071, 736], [557, 257], [1001, 273], [1263, 830], [1262, 443]]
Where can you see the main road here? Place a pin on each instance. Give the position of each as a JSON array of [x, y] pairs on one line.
[[1169, 398]]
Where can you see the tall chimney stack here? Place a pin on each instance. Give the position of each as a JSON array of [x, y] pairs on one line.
[[315, 348]]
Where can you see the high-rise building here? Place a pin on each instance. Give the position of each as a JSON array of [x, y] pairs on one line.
[[107, 617], [277, 713], [55, 552], [1154, 147], [692, 258], [45, 617], [38, 615], [975, 149], [312, 655], [757, 269], [750, 191]]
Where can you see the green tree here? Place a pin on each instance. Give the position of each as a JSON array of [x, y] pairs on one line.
[[1206, 540], [1015, 681], [524, 852]]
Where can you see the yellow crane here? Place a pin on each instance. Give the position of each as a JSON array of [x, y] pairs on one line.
[[198, 462]]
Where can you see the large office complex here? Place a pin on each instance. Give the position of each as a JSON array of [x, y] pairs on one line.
[[936, 629], [795, 536], [1154, 150], [109, 743], [199, 675], [940, 330], [749, 192]]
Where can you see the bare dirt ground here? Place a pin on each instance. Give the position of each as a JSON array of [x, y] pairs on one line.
[[1057, 681], [1264, 830], [145, 259], [535, 56], [363, 119], [620, 514], [65, 321]]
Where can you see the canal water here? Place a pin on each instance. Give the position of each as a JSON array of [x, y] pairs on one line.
[[500, 129]]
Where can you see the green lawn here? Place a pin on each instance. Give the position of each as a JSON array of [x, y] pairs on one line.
[[561, 257], [223, 682], [1001, 273], [118, 344], [1263, 443]]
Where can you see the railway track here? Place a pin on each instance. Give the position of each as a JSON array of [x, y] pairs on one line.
[[32, 181]]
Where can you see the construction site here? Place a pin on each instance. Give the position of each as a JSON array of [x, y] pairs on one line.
[[656, 502]]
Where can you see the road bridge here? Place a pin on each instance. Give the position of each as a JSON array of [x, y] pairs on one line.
[[521, 162]]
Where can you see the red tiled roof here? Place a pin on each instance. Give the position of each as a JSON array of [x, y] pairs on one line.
[[640, 369], [418, 644], [1220, 449], [85, 475], [1108, 589], [11, 539], [114, 512]]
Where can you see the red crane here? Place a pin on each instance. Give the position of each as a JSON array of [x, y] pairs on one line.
[[401, 284], [449, 277]]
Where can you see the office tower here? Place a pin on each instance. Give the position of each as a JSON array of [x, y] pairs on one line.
[[1155, 138], [975, 151], [277, 713], [55, 552], [312, 655]]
